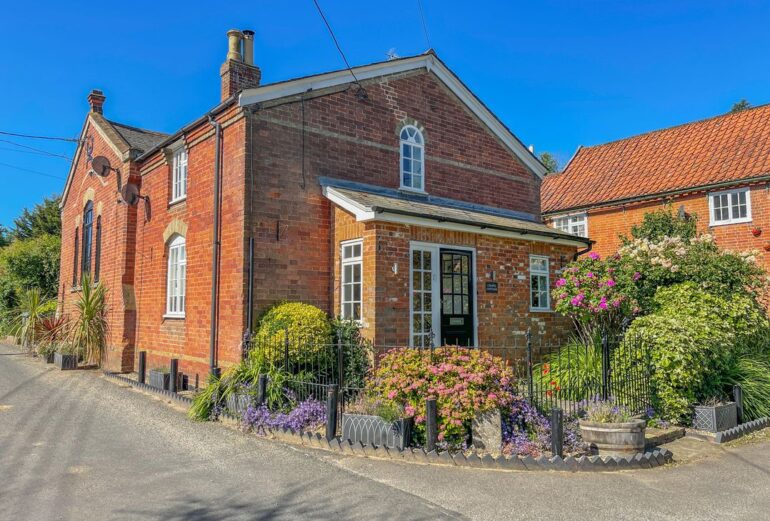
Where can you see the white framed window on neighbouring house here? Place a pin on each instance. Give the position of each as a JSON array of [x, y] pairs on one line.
[[351, 279], [730, 207], [573, 224], [539, 284], [179, 176], [176, 277], [412, 159]]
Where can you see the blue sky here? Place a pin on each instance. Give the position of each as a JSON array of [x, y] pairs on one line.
[[559, 74]]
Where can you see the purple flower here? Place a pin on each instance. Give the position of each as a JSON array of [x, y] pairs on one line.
[[637, 276], [590, 274], [603, 303], [610, 283], [594, 256], [561, 282]]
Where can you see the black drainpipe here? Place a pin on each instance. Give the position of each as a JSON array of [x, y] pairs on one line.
[[583, 252], [213, 369]]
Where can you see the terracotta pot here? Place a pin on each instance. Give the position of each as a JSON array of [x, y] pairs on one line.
[[614, 439], [756, 232], [767, 246]]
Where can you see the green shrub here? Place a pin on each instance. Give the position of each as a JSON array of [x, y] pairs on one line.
[[357, 352], [662, 223], [752, 373], [89, 330], [28, 317], [308, 328], [574, 372], [691, 333]]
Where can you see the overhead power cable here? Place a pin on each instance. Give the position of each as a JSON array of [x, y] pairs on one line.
[[36, 150], [32, 171], [339, 48], [52, 138], [424, 25]]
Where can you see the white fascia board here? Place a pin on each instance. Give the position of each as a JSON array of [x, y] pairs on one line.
[[73, 163], [428, 62], [479, 229], [362, 213]]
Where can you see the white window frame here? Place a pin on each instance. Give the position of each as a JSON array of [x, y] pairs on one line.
[[352, 261], [179, 175], [176, 278], [413, 145], [565, 223], [540, 273], [732, 219]]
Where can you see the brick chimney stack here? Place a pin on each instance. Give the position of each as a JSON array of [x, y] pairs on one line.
[[96, 100], [239, 72]]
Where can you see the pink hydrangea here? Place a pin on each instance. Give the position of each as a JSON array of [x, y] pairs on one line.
[[594, 256]]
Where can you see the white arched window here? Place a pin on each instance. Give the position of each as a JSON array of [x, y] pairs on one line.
[[412, 159], [175, 278]]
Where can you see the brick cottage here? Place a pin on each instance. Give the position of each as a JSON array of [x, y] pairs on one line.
[[717, 169], [394, 197]]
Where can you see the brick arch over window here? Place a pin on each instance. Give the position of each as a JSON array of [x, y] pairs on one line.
[[175, 227]]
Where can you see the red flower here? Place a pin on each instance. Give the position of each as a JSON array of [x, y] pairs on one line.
[[546, 369], [549, 393]]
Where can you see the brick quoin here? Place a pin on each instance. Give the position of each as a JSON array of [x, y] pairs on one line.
[[270, 192]]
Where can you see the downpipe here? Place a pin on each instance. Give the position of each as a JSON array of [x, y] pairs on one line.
[[213, 368]]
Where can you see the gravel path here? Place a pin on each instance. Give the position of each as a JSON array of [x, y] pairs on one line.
[[76, 446]]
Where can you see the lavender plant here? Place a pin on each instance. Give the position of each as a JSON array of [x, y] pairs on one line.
[[527, 432], [307, 415], [606, 411]]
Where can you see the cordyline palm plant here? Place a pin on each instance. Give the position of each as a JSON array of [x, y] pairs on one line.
[[89, 329], [30, 313], [54, 331]]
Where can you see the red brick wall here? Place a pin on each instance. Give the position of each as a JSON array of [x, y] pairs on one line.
[[188, 338], [118, 223], [358, 140], [606, 225]]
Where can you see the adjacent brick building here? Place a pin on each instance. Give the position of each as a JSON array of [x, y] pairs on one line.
[[395, 198], [717, 169]]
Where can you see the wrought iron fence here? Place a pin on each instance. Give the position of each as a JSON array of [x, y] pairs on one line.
[[549, 374]]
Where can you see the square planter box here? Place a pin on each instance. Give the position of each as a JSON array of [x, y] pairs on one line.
[[159, 379], [373, 430], [715, 418], [49, 358], [237, 403], [65, 362]]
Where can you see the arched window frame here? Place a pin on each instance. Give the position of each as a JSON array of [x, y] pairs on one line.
[[87, 237], [176, 276], [98, 249], [75, 263], [412, 162]]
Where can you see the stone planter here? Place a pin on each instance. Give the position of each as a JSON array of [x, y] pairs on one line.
[[237, 403], [487, 431], [159, 379], [48, 359], [373, 430], [614, 439], [715, 418], [65, 362]]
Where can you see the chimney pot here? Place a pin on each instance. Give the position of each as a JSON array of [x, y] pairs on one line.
[[234, 45], [96, 100], [248, 47]]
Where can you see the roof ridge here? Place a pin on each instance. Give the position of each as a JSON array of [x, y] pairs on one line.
[[138, 129], [672, 127]]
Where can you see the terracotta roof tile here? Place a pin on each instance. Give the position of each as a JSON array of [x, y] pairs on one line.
[[731, 147]]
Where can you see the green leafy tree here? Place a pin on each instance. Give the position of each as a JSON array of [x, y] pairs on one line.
[[740, 106], [43, 219], [5, 238], [664, 223], [31, 263], [550, 162]]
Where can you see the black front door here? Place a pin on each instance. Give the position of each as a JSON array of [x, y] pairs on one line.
[[456, 298]]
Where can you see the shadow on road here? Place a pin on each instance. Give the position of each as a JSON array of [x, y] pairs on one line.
[[292, 504]]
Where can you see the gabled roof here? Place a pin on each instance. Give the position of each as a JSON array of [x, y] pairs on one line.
[[138, 139], [126, 141], [428, 61], [376, 203], [700, 155]]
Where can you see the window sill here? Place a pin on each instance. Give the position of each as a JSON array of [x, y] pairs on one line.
[[176, 202], [412, 190], [726, 223], [174, 316], [540, 310]]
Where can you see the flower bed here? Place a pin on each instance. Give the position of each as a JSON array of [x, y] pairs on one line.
[[309, 415], [526, 432]]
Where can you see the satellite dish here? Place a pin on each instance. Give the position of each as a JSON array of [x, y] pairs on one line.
[[101, 166], [129, 193]]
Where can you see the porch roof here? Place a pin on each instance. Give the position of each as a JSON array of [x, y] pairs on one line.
[[370, 203]]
